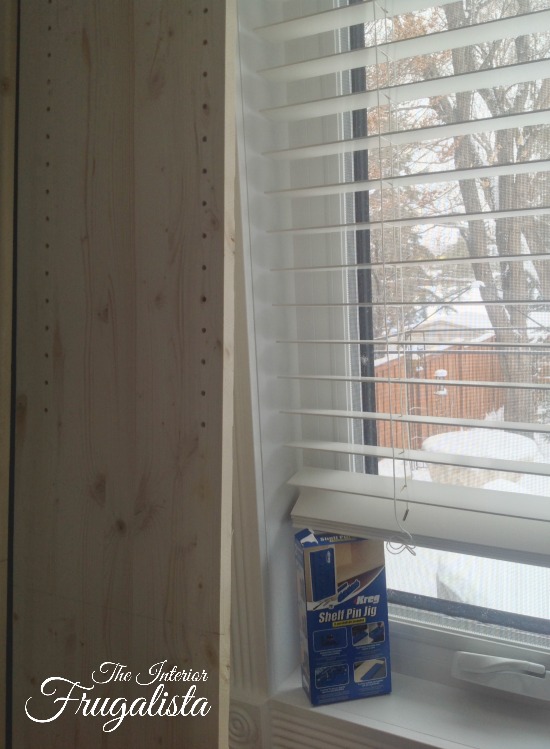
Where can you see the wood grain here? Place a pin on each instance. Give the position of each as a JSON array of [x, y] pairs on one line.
[[124, 357]]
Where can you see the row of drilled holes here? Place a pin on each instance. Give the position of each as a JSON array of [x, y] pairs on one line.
[[204, 204], [47, 192]]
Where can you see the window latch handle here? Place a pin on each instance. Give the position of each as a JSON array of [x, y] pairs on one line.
[[510, 675], [478, 663]]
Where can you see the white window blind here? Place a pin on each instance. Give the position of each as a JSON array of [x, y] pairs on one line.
[[399, 200]]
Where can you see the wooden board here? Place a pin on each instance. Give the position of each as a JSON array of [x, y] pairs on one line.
[[123, 441]]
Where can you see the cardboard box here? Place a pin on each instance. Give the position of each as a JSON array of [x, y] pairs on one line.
[[343, 607]]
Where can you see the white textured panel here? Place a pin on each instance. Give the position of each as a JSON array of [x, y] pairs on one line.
[[248, 644], [292, 728], [244, 726]]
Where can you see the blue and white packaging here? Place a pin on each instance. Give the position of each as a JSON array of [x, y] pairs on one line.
[[343, 608]]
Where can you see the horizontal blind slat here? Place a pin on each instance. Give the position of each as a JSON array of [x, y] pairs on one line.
[[328, 20], [443, 219], [484, 501], [419, 381], [487, 78], [506, 529], [395, 51], [438, 303], [414, 135], [414, 419], [522, 257], [536, 166], [424, 456], [417, 345]]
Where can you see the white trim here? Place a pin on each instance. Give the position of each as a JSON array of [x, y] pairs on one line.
[[417, 715]]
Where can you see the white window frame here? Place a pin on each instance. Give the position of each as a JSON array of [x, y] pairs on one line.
[[269, 708]]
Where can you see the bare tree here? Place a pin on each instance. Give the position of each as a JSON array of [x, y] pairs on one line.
[[502, 281]]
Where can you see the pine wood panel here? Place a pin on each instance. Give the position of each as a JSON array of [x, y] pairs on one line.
[[123, 451]]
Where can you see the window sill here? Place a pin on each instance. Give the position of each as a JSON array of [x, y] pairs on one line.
[[417, 714]]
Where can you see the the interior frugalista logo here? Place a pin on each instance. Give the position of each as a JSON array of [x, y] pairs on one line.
[[63, 694]]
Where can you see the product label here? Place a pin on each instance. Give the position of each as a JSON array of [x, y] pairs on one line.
[[344, 618]]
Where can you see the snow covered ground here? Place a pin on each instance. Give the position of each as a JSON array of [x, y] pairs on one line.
[[490, 583]]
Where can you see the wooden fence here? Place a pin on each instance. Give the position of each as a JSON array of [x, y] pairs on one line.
[[460, 362]]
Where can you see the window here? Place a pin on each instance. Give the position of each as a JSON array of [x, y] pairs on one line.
[[398, 196]]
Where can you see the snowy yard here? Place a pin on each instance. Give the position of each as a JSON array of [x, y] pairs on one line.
[[506, 586]]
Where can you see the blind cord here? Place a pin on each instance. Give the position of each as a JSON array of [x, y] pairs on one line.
[[396, 544]]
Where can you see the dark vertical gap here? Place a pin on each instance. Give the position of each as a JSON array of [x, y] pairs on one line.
[[363, 253], [11, 498]]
